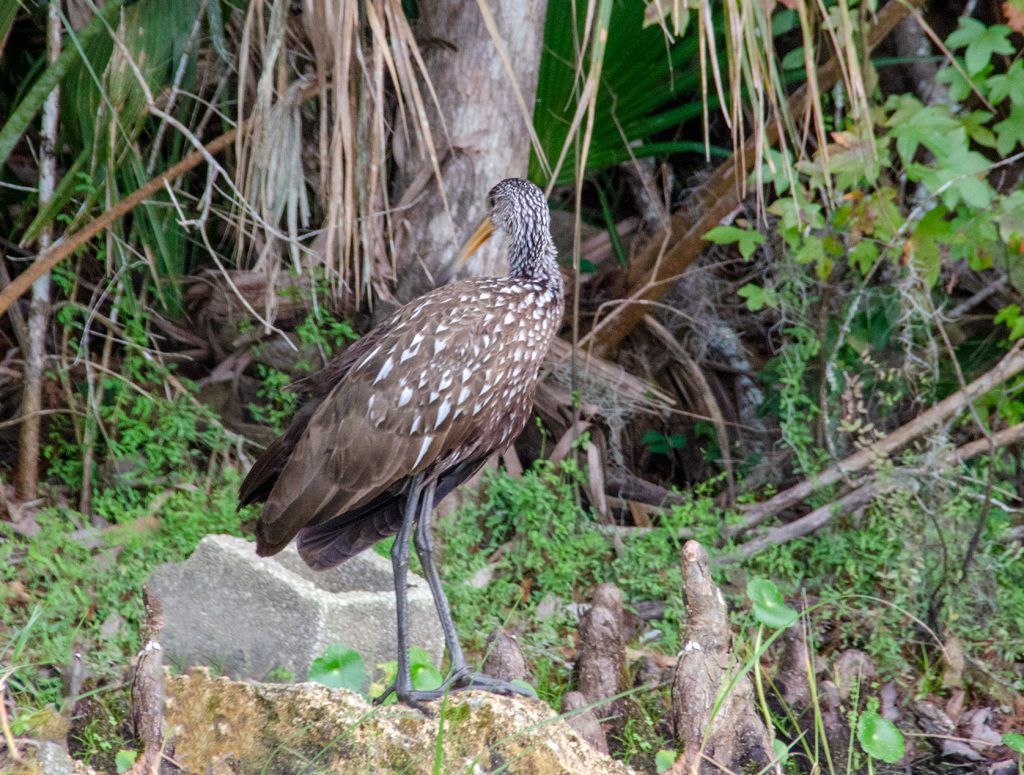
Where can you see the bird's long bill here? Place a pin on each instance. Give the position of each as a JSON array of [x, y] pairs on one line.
[[480, 236]]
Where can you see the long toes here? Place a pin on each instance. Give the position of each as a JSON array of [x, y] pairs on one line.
[[485, 683]]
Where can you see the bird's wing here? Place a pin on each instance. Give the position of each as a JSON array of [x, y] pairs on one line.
[[268, 466], [429, 391]]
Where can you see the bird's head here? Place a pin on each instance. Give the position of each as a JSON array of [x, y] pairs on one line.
[[518, 208]]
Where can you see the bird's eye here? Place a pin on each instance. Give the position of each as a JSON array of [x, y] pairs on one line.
[[491, 201]]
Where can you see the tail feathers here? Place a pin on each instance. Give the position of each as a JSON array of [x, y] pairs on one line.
[[332, 542], [339, 539]]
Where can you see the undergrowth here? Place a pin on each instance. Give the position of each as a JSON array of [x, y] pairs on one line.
[[524, 554]]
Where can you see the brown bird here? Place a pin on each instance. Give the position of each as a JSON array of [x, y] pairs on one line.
[[414, 408]]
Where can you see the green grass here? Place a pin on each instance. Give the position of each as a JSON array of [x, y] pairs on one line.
[[86, 599]]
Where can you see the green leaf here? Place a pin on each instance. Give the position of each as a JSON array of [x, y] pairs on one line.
[[958, 177], [770, 608], [1014, 742], [339, 667], [982, 42], [663, 760], [656, 442], [930, 231], [1010, 131], [879, 737], [1009, 84], [21, 118], [781, 750], [747, 239], [123, 760], [425, 678], [961, 86], [864, 255], [757, 297], [913, 125]]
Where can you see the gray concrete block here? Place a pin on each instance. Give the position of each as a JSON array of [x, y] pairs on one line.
[[244, 615]]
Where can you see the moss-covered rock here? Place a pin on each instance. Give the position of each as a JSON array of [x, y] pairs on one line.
[[221, 726]]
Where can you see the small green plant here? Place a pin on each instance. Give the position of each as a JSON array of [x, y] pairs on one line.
[[124, 759], [879, 738], [658, 443], [664, 759], [339, 667], [425, 677]]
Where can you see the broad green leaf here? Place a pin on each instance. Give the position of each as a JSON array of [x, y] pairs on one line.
[[879, 737], [1010, 131], [974, 124], [769, 607], [747, 239], [961, 84], [1014, 742], [957, 179], [124, 759], [339, 667], [757, 297], [933, 127], [982, 42], [864, 255], [1009, 84], [425, 677], [663, 760]]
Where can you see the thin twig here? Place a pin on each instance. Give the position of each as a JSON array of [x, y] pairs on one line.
[[1011, 365]]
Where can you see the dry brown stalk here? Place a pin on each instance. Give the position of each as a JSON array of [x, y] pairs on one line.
[[669, 252], [1011, 365]]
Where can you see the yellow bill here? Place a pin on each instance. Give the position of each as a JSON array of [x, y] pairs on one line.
[[479, 237]]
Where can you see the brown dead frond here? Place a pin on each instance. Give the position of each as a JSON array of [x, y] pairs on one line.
[[373, 91]]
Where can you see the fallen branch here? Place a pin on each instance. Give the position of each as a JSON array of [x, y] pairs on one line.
[[670, 251], [1011, 365], [862, 495]]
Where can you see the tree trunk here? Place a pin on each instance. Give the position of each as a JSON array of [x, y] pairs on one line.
[[487, 135], [26, 480]]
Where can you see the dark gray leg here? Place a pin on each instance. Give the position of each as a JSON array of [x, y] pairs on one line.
[[400, 563], [459, 675]]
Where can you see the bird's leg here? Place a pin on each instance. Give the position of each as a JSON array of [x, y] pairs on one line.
[[423, 540], [400, 563], [459, 675]]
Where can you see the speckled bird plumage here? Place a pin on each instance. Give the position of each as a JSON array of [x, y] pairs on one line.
[[436, 389]]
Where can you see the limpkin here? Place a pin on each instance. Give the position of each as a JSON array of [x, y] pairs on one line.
[[410, 411]]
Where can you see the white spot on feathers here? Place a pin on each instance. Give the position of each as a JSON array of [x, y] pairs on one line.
[[410, 352], [442, 413], [406, 396], [463, 394], [384, 370], [423, 449], [369, 357], [439, 344]]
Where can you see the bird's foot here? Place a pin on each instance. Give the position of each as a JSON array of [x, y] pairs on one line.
[[414, 698], [462, 680], [466, 680]]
